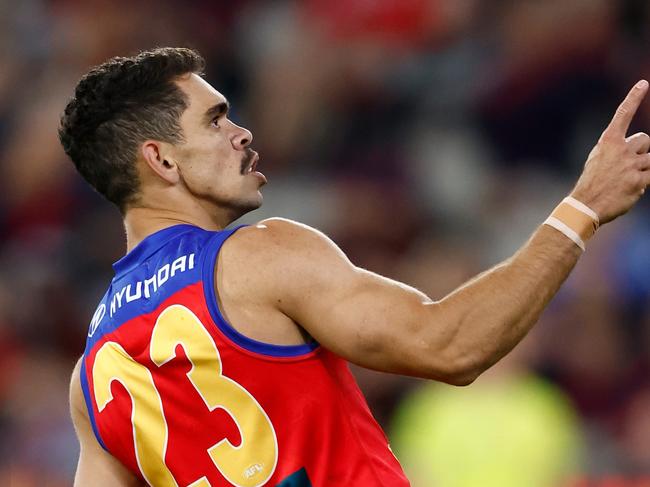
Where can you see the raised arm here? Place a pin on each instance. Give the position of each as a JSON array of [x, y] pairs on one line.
[[96, 466], [385, 325]]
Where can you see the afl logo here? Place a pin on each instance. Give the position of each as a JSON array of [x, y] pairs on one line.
[[97, 319]]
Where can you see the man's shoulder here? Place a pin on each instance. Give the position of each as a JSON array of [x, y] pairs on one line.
[[273, 234], [278, 226], [278, 248]]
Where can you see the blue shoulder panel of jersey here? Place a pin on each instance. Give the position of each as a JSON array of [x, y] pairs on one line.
[[161, 265]]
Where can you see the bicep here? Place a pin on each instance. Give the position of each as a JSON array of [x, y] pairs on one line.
[[366, 318], [96, 466]]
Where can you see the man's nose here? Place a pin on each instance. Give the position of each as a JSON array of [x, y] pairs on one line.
[[242, 138]]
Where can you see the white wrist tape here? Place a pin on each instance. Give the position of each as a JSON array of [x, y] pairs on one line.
[[578, 205], [575, 220]]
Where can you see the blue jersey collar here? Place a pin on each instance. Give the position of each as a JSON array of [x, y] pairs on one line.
[[148, 246]]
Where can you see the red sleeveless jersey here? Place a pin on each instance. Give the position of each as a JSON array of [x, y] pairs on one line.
[[182, 399]]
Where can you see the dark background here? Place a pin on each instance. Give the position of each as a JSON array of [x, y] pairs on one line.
[[428, 138]]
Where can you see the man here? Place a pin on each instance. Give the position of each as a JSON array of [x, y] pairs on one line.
[[219, 357]]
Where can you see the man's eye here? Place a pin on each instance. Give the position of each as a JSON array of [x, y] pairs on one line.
[[215, 122]]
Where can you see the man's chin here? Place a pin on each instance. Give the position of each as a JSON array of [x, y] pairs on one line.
[[259, 199]]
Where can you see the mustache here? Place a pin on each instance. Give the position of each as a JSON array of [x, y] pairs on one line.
[[247, 159]]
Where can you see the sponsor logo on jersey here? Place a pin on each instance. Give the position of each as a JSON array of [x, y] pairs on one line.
[[144, 289], [97, 319]]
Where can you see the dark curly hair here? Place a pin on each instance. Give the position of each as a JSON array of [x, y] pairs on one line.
[[117, 106]]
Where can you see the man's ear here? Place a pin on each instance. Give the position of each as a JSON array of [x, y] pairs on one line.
[[157, 156]]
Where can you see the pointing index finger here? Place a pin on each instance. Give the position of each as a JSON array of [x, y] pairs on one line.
[[625, 112]]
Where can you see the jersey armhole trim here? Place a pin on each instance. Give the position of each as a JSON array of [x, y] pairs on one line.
[[209, 287], [89, 404]]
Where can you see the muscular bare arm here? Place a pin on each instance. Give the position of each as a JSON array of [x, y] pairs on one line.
[[385, 325], [96, 466]]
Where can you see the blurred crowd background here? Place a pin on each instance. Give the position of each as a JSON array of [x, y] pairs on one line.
[[429, 138]]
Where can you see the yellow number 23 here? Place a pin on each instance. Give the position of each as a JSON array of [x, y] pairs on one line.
[[250, 464]]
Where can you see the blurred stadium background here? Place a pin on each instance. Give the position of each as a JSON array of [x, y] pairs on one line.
[[427, 137]]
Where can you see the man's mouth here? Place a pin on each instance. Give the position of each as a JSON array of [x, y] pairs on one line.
[[253, 165], [249, 164]]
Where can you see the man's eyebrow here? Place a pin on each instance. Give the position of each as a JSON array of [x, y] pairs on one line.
[[216, 111]]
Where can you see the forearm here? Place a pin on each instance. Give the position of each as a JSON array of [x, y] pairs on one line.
[[490, 314]]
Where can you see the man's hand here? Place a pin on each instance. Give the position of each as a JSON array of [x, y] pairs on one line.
[[616, 173]]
